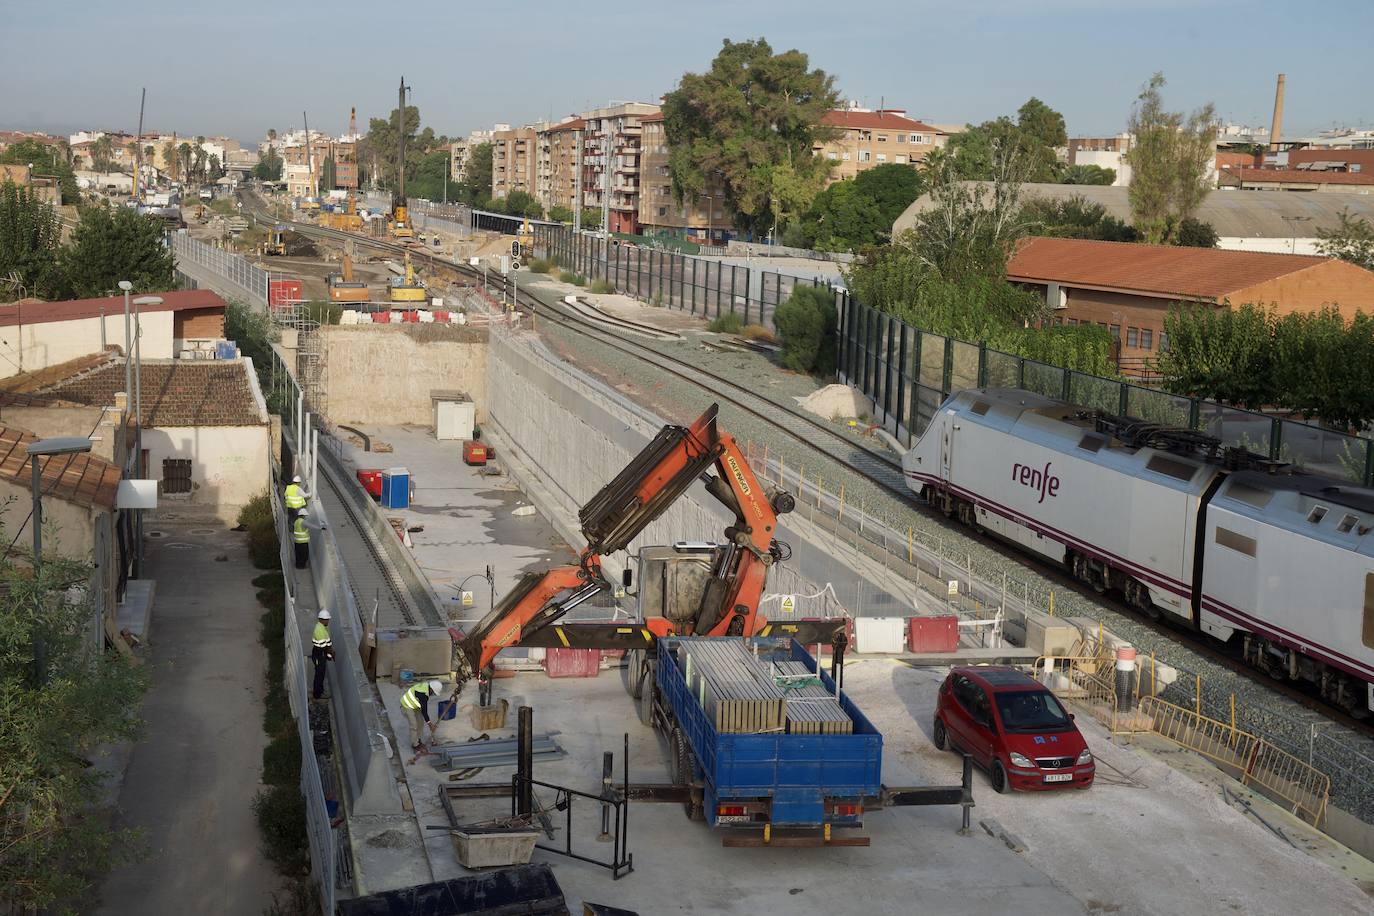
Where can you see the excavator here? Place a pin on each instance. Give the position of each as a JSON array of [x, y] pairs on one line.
[[701, 589]]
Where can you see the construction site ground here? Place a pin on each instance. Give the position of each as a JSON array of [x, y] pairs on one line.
[[1155, 835]]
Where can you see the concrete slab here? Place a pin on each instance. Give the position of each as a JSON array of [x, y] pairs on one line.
[[191, 780], [135, 612]]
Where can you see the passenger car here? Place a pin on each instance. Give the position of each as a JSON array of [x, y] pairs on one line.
[[1013, 727]]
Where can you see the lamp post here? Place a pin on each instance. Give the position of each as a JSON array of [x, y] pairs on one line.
[[127, 287], [138, 419], [62, 445], [710, 216]]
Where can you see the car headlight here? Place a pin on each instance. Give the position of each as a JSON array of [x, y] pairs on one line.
[[1085, 757], [1021, 760]]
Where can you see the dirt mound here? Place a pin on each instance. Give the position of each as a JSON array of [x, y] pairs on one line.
[[834, 401]]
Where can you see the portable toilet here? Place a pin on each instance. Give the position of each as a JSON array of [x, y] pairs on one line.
[[396, 488]]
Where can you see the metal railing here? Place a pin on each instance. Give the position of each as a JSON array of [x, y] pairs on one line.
[[1086, 682], [252, 281]]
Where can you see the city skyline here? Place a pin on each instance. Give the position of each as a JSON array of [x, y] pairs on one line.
[[946, 66]]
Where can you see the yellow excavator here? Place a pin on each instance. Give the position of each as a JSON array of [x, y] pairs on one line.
[[343, 288], [523, 246], [348, 219], [276, 242], [408, 290]]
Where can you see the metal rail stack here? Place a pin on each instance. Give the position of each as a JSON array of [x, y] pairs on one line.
[[745, 693]]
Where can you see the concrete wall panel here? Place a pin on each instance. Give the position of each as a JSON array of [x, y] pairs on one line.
[[384, 375]]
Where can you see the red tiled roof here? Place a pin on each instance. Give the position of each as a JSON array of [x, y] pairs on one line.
[[72, 309], [1154, 270], [871, 120], [36, 381], [1299, 176], [574, 124], [79, 478], [656, 116], [176, 392]]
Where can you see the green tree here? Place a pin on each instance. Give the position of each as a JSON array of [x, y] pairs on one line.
[[1073, 218], [1035, 135], [892, 187], [48, 161], [1042, 124], [751, 121], [1088, 174], [843, 218], [1170, 156], [383, 137], [807, 324], [102, 154], [112, 244], [477, 172], [1352, 240], [1196, 233], [170, 157], [269, 167], [431, 177], [30, 243], [522, 203], [1219, 352], [59, 699], [185, 157]]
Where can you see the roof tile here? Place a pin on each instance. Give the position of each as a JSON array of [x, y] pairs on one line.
[[175, 392], [79, 478]]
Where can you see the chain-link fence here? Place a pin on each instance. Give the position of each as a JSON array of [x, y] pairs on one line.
[[908, 373], [252, 282]]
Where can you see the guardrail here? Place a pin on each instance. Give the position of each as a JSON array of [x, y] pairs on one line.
[[250, 281], [1087, 683]]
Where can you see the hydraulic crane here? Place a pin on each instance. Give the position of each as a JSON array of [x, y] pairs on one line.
[[725, 600], [400, 211]]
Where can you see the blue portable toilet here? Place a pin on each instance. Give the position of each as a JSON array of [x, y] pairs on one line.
[[396, 488]]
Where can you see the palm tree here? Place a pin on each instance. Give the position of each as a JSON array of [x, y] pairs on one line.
[[272, 134], [169, 157], [184, 159], [101, 152]]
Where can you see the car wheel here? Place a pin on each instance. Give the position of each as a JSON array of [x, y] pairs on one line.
[[938, 735], [1000, 785]]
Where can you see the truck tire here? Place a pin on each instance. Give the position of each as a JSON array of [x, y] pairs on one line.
[[634, 673], [682, 770], [644, 703]]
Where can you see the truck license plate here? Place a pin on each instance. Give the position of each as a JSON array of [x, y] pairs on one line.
[[733, 819], [1058, 777]]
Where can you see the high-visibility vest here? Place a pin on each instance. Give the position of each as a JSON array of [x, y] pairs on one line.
[[408, 699], [299, 533], [294, 496], [321, 639]]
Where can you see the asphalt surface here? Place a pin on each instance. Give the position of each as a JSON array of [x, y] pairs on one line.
[[191, 780]]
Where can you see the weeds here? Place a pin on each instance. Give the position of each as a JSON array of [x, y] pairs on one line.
[[729, 323], [602, 286]]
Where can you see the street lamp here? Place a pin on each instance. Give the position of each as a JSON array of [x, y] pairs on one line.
[[710, 216], [138, 419], [62, 445]]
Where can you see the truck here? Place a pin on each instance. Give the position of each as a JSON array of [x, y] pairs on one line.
[[801, 786]]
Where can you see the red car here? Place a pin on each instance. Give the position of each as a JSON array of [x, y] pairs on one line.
[[1014, 728]]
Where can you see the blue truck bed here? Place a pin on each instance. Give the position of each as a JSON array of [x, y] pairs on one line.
[[796, 774]]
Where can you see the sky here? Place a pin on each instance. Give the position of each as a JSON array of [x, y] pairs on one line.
[[249, 65]]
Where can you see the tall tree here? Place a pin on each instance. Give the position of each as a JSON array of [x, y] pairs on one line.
[[753, 119], [1170, 156], [170, 157], [477, 174], [59, 698], [1036, 133], [269, 166], [102, 153], [1041, 123], [1352, 240], [185, 156], [112, 244], [30, 241], [1074, 217], [1219, 352], [48, 160], [383, 136]]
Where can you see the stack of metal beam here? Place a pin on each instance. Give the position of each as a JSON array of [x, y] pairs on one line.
[[500, 752], [812, 710], [740, 693]]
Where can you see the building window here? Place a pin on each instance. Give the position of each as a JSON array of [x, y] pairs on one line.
[[845, 157], [918, 138], [662, 211], [832, 155], [1163, 342], [901, 138], [176, 475], [901, 159], [882, 157], [1115, 331], [882, 138], [1132, 337], [864, 155], [1147, 339]]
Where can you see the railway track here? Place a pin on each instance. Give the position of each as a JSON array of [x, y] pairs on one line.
[[878, 468]]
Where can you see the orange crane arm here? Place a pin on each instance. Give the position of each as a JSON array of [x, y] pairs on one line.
[[639, 494]]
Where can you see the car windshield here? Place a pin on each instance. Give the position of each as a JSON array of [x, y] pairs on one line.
[[1031, 711]]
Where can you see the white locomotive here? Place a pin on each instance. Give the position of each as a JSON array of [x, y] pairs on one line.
[[1220, 538]]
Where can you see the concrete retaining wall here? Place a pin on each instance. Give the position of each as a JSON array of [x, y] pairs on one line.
[[383, 374]]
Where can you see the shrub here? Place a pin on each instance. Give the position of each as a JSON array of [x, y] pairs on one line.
[[281, 760], [806, 326], [280, 811], [579, 280], [729, 323], [760, 333], [324, 312], [541, 266], [257, 511], [568, 276], [602, 287]]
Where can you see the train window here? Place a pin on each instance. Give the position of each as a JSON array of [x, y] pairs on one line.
[[1170, 467], [980, 407], [1247, 494], [1317, 514], [1367, 635], [1091, 442], [1237, 542], [1347, 524]]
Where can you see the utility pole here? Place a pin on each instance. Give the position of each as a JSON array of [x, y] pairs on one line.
[[138, 152], [309, 157]]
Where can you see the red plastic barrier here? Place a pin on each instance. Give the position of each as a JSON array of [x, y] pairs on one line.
[[572, 662], [933, 634]]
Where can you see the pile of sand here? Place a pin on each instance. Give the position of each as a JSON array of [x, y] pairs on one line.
[[835, 401]]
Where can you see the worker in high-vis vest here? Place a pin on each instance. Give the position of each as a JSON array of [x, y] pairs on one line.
[[321, 650], [415, 702], [300, 534], [295, 496]]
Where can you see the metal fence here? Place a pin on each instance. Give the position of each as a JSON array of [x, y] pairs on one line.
[[253, 281], [908, 373]]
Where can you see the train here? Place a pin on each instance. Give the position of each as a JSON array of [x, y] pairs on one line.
[[1275, 561]]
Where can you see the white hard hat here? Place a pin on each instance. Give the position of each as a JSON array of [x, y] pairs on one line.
[[435, 686], [324, 613], [296, 479]]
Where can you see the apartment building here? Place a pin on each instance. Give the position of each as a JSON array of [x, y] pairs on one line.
[[702, 220], [1104, 152], [513, 161], [871, 138], [558, 163], [611, 159], [459, 151]]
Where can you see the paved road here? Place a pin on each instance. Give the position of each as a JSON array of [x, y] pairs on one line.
[[190, 783]]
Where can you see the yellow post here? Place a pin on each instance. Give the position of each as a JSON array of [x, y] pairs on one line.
[[1051, 602], [1233, 712], [801, 480], [1197, 702], [841, 518], [1154, 689], [908, 543], [782, 472], [820, 484]]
